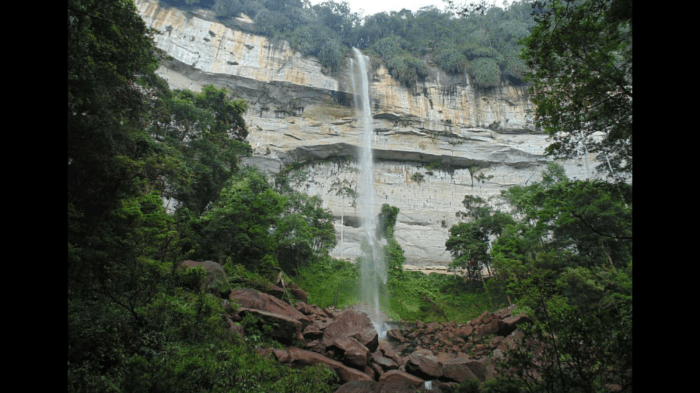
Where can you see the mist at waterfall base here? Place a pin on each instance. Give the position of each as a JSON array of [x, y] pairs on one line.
[[372, 265]]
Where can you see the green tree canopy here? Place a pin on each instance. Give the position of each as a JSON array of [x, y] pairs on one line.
[[111, 60], [580, 53], [209, 131], [566, 259], [304, 233], [239, 224]]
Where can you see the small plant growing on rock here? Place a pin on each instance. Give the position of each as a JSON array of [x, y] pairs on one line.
[[436, 165], [418, 178], [481, 177]]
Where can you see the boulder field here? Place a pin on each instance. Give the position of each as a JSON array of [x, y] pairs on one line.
[[345, 340]]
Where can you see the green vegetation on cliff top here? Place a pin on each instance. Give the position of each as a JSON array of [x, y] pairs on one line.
[[484, 44]]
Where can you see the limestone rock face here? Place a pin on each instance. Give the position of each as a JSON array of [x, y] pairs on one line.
[[461, 140]]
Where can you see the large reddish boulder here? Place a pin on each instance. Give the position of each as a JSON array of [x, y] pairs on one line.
[[281, 354], [424, 366], [504, 312], [354, 354], [304, 308], [352, 324], [483, 369], [395, 335], [312, 332], [464, 331], [457, 370], [275, 291], [508, 325], [451, 357], [495, 341], [396, 377], [487, 328], [385, 363], [301, 358], [389, 352], [332, 312], [392, 382], [511, 341], [287, 329], [299, 294], [250, 298]]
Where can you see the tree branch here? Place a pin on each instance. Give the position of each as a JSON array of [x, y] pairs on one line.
[[598, 232]]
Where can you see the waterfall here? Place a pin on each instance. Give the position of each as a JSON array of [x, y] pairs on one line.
[[372, 266]]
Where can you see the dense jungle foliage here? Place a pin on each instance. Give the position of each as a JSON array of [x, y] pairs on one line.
[[135, 322], [560, 249]]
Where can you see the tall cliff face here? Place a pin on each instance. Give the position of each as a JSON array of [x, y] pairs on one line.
[[299, 111]]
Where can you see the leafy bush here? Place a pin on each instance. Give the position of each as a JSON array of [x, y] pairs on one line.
[[418, 177], [438, 166], [331, 54], [389, 46], [501, 385], [469, 385], [407, 68], [452, 60], [486, 72], [475, 52], [514, 66], [318, 40], [226, 8], [402, 65]]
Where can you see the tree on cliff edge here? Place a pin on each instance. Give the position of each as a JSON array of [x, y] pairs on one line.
[[580, 54]]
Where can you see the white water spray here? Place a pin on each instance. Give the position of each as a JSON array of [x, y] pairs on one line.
[[372, 265]]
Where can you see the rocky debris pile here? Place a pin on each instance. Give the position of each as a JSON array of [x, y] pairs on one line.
[[479, 338], [345, 340]]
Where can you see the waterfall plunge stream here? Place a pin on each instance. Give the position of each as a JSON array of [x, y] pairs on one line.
[[372, 265]]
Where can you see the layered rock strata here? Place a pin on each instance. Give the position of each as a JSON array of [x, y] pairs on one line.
[[434, 142]]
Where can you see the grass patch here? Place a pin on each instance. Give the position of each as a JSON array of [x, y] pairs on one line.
[[406, 297], [436, 297], [323, 279]]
